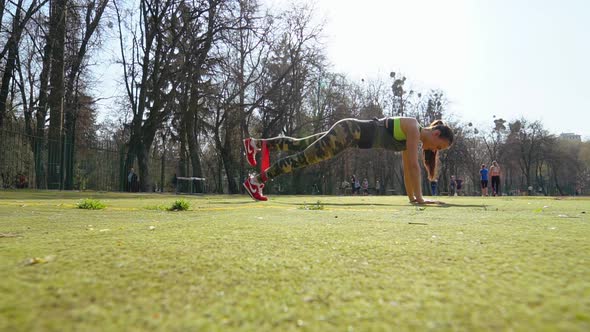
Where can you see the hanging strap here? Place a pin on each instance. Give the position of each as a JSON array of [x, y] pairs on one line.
[[265, 161]]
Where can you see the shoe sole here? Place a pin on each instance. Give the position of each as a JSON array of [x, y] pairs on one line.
[[248, 191]]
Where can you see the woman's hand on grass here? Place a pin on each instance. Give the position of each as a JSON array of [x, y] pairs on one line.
[[426, 201]]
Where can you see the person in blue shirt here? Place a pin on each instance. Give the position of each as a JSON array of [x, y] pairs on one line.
[[484, 180]]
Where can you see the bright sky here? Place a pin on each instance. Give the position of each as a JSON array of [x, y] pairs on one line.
[[508, 58]]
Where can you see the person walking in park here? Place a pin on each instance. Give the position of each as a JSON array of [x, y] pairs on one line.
[[495, 173], [452, 186], [393, 133], [357, 187], [353, 184], [132, 180], [483, 172], [459, 183]]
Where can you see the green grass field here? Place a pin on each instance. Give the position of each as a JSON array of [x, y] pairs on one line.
[[345, 264]]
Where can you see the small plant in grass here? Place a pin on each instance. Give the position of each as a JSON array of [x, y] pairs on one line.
[[91, 204], [180, 205], [317, 206]]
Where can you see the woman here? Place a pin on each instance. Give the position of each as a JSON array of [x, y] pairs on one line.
[[495, 173], [392, 133]]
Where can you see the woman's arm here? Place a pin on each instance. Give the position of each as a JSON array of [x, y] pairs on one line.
[[409, 189], [412, 174], [412, 171]]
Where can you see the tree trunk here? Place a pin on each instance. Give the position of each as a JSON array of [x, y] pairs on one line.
[[192, 129], [6, 78], [10, 64], [56, 97], [556, 181], [193, 146], [145, 184], [41, 115], [72, 106], [69, 145], [228, 166]]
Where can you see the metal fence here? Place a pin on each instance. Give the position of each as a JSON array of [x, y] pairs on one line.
[[17, 158], [26, 163]]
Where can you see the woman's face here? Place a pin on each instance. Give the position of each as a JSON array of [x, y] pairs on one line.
[[435, 142]]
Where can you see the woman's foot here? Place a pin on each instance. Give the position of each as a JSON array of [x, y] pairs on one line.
[[254, 188], [251, 149]]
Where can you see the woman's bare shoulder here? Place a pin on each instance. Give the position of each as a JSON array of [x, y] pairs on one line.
[[409, 125]]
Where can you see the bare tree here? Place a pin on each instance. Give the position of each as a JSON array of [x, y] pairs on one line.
[[204, 24], [9, 52], [494, 140], [464, 158], [565, 166], [57, 37], [258, 74], [147, 75], [527, 142], [80, 41]]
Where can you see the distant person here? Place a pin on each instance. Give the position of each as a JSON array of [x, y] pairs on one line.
[[459, 186], [365, 186], [495, 173], [483, 172], [433, 187], [452, 186], [357, 186], [402, 134], [21, 181], [133, 180], [130, 176], [377, 187], [353, 182]]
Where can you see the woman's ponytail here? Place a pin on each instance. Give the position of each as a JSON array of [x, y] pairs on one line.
[[431, 158], [431, 164]]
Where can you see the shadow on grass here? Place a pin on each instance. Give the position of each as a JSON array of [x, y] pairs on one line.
[[338, 204], [447, 205], [300, 203]]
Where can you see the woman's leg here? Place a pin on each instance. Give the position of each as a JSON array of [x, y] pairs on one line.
[[253, 145], [285, 143], [496, 185], [344, 134], [493, 186]]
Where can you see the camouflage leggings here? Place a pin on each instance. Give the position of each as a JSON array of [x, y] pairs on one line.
[[311, 150]]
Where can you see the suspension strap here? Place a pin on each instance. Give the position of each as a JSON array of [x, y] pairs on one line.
[[265, 161]]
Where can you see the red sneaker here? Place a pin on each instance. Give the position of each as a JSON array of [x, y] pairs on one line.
[[254, 189], [251, 150]]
